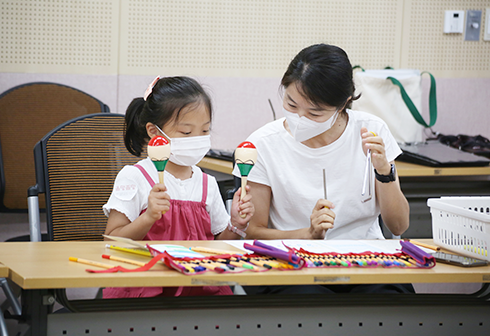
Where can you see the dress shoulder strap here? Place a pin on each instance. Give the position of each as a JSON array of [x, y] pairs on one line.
[[145, 173], [204, 187]]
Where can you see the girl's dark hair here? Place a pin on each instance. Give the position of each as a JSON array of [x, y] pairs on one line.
[[164, 104], [323, 74]]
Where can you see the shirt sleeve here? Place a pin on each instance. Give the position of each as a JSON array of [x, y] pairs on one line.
[[216, 207], [392, 149], [129, 195]]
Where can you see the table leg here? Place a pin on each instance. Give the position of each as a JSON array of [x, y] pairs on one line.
[[36, 305]]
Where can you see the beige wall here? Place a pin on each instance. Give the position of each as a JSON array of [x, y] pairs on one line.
[[239, 50]]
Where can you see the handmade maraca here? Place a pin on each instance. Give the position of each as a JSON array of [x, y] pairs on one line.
[[159, 153], [245, 157]]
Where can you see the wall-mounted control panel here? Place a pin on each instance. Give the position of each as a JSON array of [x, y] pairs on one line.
[[473, 25], [453, 21]]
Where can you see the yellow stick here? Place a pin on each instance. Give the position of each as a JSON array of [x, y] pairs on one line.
[[213, 251], [430, 247], [129, 250], [90, 262], [124, 260]]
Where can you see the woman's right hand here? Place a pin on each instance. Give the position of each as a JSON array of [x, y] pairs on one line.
[[321, 219], [158, 202]]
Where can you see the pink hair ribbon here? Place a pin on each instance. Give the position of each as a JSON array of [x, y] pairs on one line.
[[150, 88]]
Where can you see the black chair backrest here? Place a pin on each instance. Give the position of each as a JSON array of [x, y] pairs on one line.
[[76, 164], [27, 113]]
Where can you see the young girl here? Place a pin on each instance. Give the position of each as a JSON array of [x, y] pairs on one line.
[[178, 108]]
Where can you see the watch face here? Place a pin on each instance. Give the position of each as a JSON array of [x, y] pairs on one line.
[[392, 172]]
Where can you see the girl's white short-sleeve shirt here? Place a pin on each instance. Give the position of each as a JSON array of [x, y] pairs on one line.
[[131, 189]]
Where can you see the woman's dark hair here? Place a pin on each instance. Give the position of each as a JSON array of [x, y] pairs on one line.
[[164, 104], [323, 74]]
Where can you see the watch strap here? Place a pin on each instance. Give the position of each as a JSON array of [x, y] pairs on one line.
[[386, 178]]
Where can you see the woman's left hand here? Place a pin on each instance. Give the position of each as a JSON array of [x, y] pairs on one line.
[[377, 147]]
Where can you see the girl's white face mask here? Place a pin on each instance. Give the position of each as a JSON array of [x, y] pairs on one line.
[[303, 128], [188, 151]]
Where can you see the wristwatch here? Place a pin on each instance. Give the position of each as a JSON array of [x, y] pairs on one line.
[[386, 178]]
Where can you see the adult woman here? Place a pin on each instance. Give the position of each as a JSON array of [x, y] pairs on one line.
[[320, 132]]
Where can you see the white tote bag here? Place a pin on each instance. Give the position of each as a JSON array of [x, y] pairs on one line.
[[396, 97]]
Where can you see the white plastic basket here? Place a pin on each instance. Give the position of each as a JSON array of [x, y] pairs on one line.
[[462, 224]]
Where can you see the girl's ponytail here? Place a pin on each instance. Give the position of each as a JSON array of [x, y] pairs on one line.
[[134, 131]]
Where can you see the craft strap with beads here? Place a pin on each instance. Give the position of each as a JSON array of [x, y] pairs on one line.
[[224, 263], [265, 257], [410, 256]]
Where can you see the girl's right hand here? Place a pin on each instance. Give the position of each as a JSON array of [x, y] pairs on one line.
[[158, 202], [321, 219]]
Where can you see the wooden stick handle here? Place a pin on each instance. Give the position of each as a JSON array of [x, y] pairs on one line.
[[244, 192], [160, 180], [244, 184]]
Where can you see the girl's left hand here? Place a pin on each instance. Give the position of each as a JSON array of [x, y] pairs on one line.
[[239, 208], [377, 147]]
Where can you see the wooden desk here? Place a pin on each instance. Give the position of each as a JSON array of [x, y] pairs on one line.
[[41, 267], [404, 169], [45, 265], [222, 166], [418, 183], [4, 271]]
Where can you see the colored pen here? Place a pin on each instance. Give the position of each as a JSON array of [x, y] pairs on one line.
[[210, 267], [224, 267], [331, 261], [406, 263], [242, 262], [128, 261], [188, 268], [179, 267], [237, 264], [257, 263], [275, 263], [129, 250], [212, 251], [430, 247], [342, 262], [90, 262]]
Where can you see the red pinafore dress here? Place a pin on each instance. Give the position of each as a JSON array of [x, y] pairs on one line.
[[186, 220]]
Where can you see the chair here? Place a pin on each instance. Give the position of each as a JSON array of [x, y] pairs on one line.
[[27, 113], [76, 164]]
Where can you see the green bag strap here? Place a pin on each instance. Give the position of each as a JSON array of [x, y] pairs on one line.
[[411, 106], [360, 67]]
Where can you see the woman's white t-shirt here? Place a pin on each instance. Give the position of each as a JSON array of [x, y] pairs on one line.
[[294, 172], [131, 189]]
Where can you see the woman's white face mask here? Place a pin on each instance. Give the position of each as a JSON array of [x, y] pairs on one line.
[[304, 129], [188, 151]]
